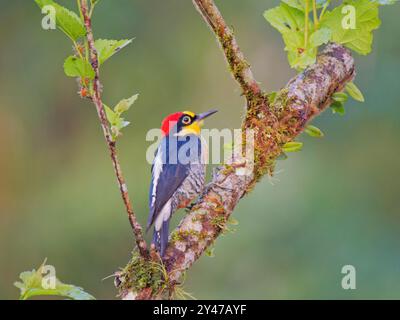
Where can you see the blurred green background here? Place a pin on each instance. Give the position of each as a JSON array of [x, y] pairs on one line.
[[334, 203]]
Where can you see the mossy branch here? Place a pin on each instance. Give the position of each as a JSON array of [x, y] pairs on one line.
[[274, 124]]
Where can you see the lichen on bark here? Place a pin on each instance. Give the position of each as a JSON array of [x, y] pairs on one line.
[[274, 124]]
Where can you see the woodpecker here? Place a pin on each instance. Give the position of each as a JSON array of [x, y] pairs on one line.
[[178, 171]]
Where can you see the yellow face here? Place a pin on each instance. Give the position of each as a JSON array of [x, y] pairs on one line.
[[189, 124]]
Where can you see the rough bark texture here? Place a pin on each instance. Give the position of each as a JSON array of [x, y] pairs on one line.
[[304, 97], [274, 124]]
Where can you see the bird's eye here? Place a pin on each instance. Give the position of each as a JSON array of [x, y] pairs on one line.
[[186, 120]]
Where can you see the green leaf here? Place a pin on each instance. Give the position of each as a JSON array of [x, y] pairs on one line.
[[298, 4], [338, 107], [112, 117], [116, 129], [33, 284], [289, 21], [354, 92], [66, 20], [340, 97], [76, 67], [320, 37], [285, 18], [301, 4], [313, 131], [107, 48], [367, 19], [299, 57], [125, 104], [292, 146]]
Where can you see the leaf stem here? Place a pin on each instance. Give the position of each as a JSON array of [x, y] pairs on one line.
[[315, 14], [77, 49], [324, 9], [80, 9], [306, 22], [93, 4]]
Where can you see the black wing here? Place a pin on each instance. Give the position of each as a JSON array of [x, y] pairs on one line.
[[164, 182]]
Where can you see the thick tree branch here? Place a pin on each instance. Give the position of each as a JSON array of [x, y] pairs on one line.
[[304, 97], [96, 98], [273, 123]]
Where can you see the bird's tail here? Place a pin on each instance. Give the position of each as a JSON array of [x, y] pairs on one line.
[[160, 238]]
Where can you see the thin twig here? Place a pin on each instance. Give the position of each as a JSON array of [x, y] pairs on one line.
[[96, 98], [239, 66]]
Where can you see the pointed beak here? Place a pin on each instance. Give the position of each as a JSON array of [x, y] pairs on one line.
[[204, 115]]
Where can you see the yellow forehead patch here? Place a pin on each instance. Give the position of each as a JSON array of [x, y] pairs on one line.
[[189, 113]]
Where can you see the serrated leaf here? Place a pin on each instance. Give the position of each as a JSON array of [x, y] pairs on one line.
[[289, 21], [292, 146], [320, 37], [354, 92], [298, 4], [31, 285], [117, 123], [301, 4], [313, 131], [76, 67], [367, 19], [285, 18], [299, 57], [125, 104], [340, 97], [338, 107], [66, 20], [107, 48]]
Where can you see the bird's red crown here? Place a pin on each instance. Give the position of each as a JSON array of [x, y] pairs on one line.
[[169, 122]]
